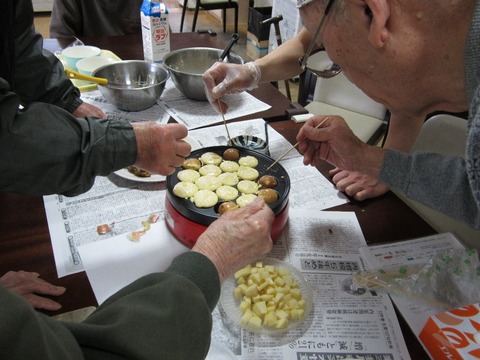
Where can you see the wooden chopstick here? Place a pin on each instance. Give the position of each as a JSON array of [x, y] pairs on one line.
[[224, 121], [294, 146]]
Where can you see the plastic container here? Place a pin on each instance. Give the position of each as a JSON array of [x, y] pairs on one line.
[[155, 30]]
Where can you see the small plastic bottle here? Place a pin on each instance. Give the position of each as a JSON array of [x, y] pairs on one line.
[[155, 30]]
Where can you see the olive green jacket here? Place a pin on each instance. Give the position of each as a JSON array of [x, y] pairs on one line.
[[160, 316]]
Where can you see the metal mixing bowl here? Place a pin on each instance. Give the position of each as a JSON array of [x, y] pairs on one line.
[[133, 85], [186, 67]]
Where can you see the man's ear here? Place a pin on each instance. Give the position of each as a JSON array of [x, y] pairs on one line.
[[380, 10]]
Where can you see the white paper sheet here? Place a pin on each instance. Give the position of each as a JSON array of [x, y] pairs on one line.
[[116, 262]]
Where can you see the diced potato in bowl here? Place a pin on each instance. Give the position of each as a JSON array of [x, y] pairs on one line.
[[268, 297]]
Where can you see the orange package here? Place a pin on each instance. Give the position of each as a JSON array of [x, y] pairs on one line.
[[453, 334]]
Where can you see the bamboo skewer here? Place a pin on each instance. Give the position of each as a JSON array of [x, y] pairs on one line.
[[225, 122], [294, 146]]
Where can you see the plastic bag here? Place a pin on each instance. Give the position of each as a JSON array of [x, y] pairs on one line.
[[451, 278]]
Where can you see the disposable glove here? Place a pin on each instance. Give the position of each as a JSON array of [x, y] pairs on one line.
[[225, 78]]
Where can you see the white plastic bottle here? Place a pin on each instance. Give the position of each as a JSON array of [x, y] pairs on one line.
[[155, 30]]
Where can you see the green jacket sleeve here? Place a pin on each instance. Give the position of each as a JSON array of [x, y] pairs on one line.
[[160, 316]]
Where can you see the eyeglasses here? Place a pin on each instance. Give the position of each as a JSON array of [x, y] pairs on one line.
[[334, 69]]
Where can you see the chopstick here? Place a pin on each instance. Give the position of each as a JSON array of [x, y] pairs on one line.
[[294, 146], [224, 121]]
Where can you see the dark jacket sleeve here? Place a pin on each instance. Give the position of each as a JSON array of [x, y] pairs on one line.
[[160, 316], [43, 148], [38, 75]]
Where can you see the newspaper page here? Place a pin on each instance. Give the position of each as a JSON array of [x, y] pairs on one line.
[[155, 113], [123, 204], [347, 322], [173, 103], [195, 114]]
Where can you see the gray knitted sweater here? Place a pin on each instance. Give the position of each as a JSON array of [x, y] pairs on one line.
[[449, 184]]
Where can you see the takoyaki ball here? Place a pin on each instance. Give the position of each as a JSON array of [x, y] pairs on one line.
[[269, 195], [208, 182], [247, 187], [231, 154], [188, 175], [230, 179], [246, 199], [210, 169], [226, 192], [193, 164], [185, 190], [229, 166], [247, 173], [227, 206], [249, 160], [205, 198], [210, 158], [268, 181]]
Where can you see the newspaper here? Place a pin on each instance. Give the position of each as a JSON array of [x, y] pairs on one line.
[[124, 204], [346, 322], [173, 103], [195, 114]]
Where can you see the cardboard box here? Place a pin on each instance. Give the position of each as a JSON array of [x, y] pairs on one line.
[[255, 17], [453, 334], [256, 48]]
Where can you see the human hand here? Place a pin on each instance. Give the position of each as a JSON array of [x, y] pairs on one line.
[[357, 185], [335, 143], [30, 286], [86, 109], [225, 78], [160, 148], [237, 238]]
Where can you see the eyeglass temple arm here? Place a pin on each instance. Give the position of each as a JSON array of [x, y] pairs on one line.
[[312, 43]]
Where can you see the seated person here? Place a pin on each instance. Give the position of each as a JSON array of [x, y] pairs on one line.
[[54, 143], [77, 18], [160, 316]]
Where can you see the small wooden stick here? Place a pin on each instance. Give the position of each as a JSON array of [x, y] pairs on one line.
[[224, 121], [294, 146]]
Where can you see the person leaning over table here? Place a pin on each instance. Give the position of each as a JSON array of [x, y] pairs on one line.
[[53, 143], [283, 63], [160, 316], [95, 18], [415, 57]]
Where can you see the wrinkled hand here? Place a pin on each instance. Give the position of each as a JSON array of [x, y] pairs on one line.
[[357, 185], [225, 78], [237, 238], [160, 148], [30, 286], [335, 143], [86, 109]]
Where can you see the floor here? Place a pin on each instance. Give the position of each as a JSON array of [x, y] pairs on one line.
[[205, 21]]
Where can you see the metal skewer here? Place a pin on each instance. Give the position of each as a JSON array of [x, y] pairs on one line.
[[294, 146], [225, 122]]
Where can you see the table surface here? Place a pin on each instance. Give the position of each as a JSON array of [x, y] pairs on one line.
[[25, 243]]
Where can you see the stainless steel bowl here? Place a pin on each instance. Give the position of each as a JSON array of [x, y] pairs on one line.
[[186, 67], [133, 85]]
